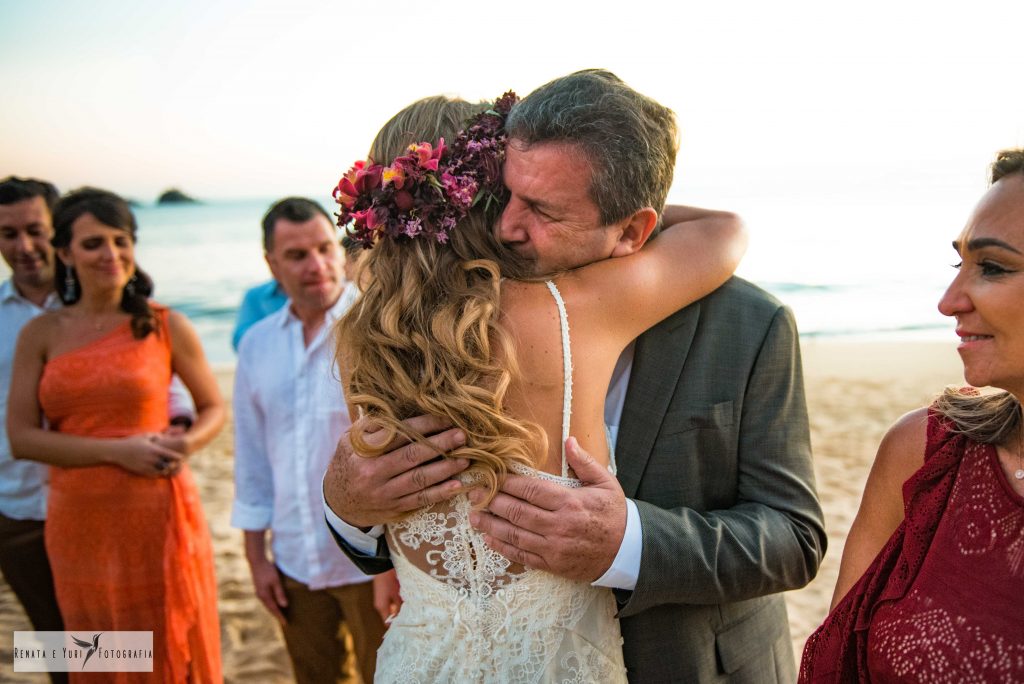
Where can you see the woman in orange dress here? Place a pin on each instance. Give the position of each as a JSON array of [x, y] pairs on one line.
[[125, 531]]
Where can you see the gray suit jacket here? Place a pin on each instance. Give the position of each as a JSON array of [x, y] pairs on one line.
[[714, 448]]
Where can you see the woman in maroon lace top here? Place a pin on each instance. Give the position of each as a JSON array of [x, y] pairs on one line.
[[931, 585]]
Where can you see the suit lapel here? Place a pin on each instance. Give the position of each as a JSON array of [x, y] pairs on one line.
[[657, 364]]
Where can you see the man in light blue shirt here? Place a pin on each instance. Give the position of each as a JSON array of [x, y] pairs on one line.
[[25, 244], [258, 302], [25, 232]]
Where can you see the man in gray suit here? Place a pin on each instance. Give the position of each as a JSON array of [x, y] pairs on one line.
[[714, 511]]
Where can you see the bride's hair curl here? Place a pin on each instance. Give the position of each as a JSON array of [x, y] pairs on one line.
[[426, 337]]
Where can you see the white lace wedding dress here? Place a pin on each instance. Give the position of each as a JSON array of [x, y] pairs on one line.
[[470, 615]]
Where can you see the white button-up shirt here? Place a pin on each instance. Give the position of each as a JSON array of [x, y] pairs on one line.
[[23, 484], [289, 415]]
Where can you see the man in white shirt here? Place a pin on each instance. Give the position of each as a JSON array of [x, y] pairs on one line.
[[25, 232], [289, 414]]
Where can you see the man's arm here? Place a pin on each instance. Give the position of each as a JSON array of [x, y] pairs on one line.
[[253, 508], [369, 561], [366, 548], [265, 580], [361, 493]]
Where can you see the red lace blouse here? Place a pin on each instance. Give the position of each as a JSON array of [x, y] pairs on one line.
[[944, 599]]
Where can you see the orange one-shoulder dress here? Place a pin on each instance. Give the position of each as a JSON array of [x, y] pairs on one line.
[[129, 553]]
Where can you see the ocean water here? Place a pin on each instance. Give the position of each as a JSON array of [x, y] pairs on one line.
[[847, 268], [202, 258]]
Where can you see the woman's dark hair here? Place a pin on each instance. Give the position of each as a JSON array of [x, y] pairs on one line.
[[110, 210]]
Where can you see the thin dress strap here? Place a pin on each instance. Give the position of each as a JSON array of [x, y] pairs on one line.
[[563, 319]]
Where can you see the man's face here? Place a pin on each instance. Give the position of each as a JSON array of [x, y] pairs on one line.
[[25, 232], [306, 260], [550, 217]]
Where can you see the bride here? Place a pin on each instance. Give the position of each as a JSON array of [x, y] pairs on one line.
[[453, 324]]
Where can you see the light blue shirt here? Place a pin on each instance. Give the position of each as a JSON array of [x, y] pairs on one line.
[[257, 303], [23, 484]]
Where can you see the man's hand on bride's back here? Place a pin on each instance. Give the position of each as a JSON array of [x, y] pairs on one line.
[[572, 532], [371, 491]]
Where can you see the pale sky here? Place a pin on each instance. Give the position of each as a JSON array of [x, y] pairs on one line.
[[842, 133], [259, 98]]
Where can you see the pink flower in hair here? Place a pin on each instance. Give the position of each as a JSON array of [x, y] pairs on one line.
[[426, 156], [359, 179]]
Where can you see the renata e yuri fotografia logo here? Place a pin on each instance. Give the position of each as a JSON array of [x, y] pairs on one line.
[[75, 651]]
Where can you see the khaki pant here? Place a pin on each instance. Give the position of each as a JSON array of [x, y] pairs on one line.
[[332, 634], [26, 568]]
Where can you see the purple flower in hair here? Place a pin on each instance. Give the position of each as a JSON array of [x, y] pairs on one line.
[[413, 227]]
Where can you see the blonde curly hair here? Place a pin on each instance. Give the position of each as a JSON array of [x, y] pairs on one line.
[[426, 335]]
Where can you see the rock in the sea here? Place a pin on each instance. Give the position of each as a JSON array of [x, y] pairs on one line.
[[175, 196]]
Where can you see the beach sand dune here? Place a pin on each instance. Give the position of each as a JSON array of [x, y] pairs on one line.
[[855, 390]]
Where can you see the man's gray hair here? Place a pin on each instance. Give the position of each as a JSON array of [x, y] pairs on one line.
[[630, 140]]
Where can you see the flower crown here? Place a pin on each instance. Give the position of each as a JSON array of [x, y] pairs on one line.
[[428, 190]]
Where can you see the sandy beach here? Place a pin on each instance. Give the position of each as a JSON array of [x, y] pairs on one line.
[[855, 390]]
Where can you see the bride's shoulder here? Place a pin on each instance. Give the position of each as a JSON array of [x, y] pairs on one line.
[[527, 301]]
